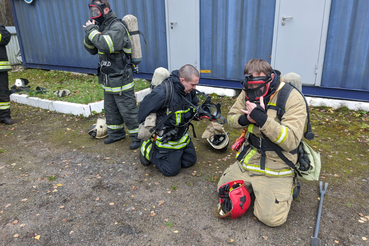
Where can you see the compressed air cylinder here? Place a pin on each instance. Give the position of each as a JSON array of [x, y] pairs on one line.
[[159, 75], [132, 24]]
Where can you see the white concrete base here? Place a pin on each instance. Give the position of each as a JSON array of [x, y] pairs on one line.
[[97, 107], [335, 103]]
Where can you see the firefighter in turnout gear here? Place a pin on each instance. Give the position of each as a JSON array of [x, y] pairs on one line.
[[258, 164], [170, 148], [4, 81], [108, 37]]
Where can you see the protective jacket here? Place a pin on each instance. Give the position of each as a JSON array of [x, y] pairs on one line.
[[4, 40], [286, 133], [179, 151], [4, 68], [154, 102], [112, 42]]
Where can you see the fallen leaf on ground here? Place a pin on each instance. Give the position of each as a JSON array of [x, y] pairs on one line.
[[22, 225], [7, 205], [336, 241], [265, 237], [71, 232], [58, 185], [364, 238], [161, 202], [232, 240], [337, 176], [38, 237], [111, 204], [23, 200], [15, 222], [61, 207], [65, 220], [175, 231], [153, 213], [16, 235], [97, 199], [360, 221]]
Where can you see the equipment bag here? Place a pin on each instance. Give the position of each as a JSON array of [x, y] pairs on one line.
[[308, 164]]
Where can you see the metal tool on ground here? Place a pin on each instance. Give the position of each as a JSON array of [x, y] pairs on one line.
[[315, 241]]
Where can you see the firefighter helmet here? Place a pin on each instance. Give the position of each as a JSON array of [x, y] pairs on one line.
[[100, 129], [216, 136], [234, 199]]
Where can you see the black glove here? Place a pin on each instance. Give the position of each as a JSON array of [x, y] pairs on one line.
[[259, 115], [169, 135]]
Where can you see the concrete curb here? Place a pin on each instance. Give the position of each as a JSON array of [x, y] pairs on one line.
[[86, 110]]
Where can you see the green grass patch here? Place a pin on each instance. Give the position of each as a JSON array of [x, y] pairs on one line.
[[84, 88]]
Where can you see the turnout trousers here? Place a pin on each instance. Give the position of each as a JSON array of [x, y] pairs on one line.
[[273, 195], [119, 110], [169, 161], [4, 96]]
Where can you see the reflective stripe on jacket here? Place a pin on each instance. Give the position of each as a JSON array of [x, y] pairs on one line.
[[4, 40]]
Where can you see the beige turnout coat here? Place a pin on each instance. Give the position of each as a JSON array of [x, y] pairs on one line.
[[287, 133]]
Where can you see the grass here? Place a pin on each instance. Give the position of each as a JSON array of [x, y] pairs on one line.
[[84, 88]]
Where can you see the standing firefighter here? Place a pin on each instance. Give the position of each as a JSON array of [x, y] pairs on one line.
[[170, 146], [258, 165], [108, 37], [4, 81]]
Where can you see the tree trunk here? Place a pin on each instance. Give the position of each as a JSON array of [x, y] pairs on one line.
[[6, 15]]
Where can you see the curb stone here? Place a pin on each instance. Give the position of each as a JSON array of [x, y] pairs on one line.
[[87, 109]]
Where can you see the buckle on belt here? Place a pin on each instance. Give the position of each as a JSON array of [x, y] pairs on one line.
[[105, 63]]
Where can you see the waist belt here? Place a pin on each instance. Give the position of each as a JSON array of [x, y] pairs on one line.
[[265, 144]]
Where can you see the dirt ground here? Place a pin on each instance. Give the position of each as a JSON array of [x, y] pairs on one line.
[[59, 186]]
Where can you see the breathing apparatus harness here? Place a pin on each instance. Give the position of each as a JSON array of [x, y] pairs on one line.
[[206, 110], [265, 144]]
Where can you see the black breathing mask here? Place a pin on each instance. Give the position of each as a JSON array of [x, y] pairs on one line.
[[210, 110], [97, 11], [256, 87]]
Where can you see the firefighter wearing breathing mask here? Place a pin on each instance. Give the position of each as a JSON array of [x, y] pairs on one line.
[[109, 38], [264, 173]]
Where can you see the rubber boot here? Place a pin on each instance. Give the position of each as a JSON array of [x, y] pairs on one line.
[[136, 143], [7, 121], [110, 140]]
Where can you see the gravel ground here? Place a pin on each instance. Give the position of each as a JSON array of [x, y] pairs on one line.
[[59, 186]]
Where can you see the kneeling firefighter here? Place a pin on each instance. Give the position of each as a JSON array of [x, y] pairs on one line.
[[108, 36], [174, 104]]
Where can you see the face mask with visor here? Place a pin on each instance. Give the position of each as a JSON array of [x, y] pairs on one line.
[[256, 87], [97, 11]]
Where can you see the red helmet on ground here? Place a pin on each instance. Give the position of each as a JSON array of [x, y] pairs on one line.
[[234, 199]]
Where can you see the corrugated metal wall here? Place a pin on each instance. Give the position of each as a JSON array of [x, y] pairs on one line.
[[12, 48], [233, 32], [346, 61], [52, 33]]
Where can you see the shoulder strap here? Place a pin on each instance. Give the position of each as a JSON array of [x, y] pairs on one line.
[[169, 91], [280, 106]]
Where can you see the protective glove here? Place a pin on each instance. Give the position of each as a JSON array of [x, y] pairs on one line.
[[169, 135], [259, 115]]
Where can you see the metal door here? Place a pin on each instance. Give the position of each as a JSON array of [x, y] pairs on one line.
[[183, 33], [300, 31]]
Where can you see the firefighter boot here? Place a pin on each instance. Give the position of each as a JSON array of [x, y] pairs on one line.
[[7, 121], [136, 143], [111, 140]]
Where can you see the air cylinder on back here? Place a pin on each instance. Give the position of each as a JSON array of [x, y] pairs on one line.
[[132, 24]]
